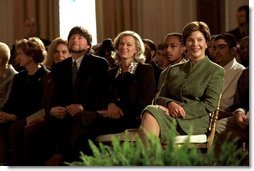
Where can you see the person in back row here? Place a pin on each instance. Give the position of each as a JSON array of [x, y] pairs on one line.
[[242, 17], [191, 91], [150, 52], [174, 50], [57, 51]]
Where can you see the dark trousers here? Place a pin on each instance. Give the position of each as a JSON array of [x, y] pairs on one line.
[[70, 135], [29, 145]]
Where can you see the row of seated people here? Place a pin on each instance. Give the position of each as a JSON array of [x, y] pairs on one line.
[[100, 101]]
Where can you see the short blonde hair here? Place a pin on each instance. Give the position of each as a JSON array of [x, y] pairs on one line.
[[139, 56]]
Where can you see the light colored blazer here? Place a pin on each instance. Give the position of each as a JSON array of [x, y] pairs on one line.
[[196, 87]]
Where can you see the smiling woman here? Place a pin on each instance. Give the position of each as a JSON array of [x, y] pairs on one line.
[[77, 13]]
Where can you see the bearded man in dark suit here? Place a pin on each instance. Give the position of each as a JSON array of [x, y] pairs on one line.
[[79, 88]]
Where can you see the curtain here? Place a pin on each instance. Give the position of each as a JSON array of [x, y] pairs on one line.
[[45, 12], [149, 18], [114, 16]]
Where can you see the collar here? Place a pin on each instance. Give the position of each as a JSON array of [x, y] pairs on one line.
[[78, 61], [230, 64], [132, 68]]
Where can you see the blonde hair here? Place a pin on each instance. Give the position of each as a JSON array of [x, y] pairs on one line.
[[51, 50], [139, 56]]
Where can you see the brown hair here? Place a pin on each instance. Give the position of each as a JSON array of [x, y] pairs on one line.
[[33, 47], [196, 26], [83, 32]]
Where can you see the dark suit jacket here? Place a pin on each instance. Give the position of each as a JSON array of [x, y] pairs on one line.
[[26, 93], [91, 79], [132, 93]]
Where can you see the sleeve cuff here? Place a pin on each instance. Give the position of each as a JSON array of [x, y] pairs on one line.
[[239, 110]]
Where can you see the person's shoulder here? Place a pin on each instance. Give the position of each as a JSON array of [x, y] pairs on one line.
[[234, 31], [144, 67], [20, 75], [62, 64], [177, 65], [215, 65], [238, 66], [97, 58]]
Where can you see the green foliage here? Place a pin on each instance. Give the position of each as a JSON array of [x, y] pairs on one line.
[[153, 154]]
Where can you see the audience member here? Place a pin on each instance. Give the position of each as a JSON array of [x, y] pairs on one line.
[[7, 73], [31, 30], [150, 52], [236, 126], [174, 48], [161, 58], [106, 49], [57, 51], [132, 87], [242, 16], [225, 50], [24, 100], [209, 50], [191, 91], [244, 51], [79, 87]]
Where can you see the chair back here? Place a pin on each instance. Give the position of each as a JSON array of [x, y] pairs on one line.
[[212, 125]]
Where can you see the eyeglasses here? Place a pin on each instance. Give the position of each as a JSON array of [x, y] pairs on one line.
[[220, 46]]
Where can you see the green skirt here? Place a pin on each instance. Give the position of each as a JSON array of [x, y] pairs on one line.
[[168, 125]]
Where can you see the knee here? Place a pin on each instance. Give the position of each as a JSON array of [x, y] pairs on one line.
[[148, 118]]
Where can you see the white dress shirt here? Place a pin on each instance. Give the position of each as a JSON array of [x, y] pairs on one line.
[[233, 71]]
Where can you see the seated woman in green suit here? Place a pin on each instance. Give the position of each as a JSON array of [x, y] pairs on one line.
[[191, 91]]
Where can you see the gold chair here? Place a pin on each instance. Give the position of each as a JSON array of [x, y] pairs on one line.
[[202, 141]]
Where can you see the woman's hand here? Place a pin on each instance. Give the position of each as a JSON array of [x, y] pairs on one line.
[[113, 111], [175, 110]]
